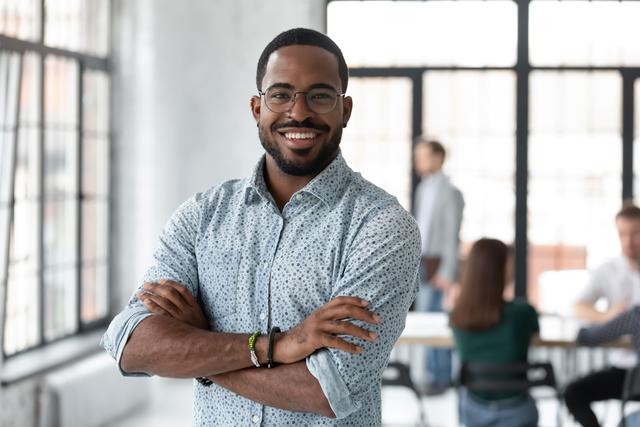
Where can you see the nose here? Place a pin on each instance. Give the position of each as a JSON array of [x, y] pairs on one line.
[[300, 110]]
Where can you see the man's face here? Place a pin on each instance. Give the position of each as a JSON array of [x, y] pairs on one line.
[[425, 161], [629, 233], [300, 141]]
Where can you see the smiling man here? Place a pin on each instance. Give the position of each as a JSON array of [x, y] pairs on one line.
[[282, 293]]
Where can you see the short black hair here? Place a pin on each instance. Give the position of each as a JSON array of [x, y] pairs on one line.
[[302, 36]]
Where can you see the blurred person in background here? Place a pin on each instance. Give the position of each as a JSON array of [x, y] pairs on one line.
[[489, 329], [607, 383], [617, 282], [438, 207], [282, 293]]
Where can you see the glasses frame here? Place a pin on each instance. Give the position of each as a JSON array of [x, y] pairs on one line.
[[292, 102]]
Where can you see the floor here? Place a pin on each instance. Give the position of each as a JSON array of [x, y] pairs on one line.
[[171, 406]]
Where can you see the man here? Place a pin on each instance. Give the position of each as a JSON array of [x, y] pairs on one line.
[[618, 282], [304, 244], [438, 210]]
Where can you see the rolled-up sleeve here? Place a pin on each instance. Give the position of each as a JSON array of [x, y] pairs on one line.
[[381, 267], [174, 259]]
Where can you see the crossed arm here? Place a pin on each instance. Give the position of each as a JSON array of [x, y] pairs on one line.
[[175, 342]]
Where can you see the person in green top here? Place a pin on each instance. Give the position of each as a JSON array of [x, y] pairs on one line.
[[489, 329]]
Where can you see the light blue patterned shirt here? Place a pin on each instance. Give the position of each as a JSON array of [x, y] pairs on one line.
[[252, 266]]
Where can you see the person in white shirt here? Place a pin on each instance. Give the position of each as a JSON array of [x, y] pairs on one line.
[[438, 206], [618, 282]]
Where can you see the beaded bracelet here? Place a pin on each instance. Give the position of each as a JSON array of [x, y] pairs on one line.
[[252, 348]]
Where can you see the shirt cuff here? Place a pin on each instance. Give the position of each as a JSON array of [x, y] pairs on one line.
[[118, 333], [322, 367]]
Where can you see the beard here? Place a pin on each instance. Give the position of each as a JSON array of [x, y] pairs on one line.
[[306, 167]]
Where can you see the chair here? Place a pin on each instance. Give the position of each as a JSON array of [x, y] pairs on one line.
[[509, 377], [398, 374], [630, 391]]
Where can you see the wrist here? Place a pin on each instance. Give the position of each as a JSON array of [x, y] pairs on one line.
[[261, 346], [278, 354]]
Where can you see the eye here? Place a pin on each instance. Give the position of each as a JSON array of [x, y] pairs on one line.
[[321, 97], [280, 95]]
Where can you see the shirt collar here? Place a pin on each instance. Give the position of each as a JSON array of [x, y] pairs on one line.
[[327, 186]]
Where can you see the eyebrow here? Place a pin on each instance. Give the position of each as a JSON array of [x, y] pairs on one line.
[[313, 86]]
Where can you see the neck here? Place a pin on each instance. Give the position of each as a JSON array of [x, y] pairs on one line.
[[633, 263], [280, 185]]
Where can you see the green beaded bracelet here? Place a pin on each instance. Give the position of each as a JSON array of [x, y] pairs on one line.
[[252, 349]]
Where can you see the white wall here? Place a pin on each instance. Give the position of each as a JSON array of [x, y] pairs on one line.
[[183, 80]]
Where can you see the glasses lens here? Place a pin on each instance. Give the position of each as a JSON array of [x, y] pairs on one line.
[[280, 100], [321, 100]]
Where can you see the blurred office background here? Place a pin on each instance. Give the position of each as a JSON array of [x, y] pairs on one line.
[[114, 112]]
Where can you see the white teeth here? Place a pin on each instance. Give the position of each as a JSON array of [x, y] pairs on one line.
[[299, 135]]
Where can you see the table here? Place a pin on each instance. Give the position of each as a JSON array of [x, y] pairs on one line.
[[433, 329]]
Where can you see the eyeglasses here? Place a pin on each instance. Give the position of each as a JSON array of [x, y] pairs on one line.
[[319, 100]]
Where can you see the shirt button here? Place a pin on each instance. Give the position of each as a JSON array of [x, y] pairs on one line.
[[263, 316], [255, 419], [298, 197]]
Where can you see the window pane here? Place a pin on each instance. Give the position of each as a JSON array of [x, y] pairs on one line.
[[377, 142], [584, 33], [473, 114], [575, 169], [9, 84], [94, 292], [60, 302], [20, 19], [27, 173], [60, 267], [22, 314], [95, 103], [393, 33], [95, 142], [60, 233], [79, 25], [94, 230], [61, 128]]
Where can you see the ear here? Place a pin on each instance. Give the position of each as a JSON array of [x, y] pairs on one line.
[[347, 105], [255, 107]]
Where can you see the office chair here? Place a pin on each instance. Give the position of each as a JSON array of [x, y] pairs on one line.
[[630, 391], [510, 377], [398, 374]]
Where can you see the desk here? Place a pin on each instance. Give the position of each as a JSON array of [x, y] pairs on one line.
[[433, 329]]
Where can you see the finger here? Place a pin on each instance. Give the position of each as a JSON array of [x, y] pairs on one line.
[[182, 290], [167, 292], [165, 304], [153, 307], [333, 341], [340, 327], [347, 311]]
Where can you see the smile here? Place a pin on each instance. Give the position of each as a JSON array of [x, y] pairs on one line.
[[300, 135]]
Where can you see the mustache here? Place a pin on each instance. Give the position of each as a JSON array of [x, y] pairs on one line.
[[307, 124]]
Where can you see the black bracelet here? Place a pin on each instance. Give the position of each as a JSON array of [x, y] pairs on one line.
[[204, 381], [272, 334]]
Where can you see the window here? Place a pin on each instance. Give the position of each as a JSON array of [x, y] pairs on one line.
[[54, 169], [535, 109]]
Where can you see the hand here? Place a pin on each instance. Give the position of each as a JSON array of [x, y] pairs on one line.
[[173, 299], [321, 328]]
